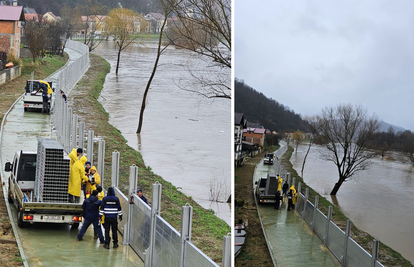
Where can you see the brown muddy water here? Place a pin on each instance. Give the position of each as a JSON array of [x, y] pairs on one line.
[[378, 201], [186, 139]]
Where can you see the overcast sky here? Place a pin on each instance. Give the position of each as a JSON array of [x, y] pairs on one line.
[[311, 54]]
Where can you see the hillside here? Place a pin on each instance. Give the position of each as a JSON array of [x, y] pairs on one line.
[[268, 112], [43, 6]]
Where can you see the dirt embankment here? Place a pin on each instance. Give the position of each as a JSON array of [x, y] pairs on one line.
[[255, 251], [9, 92]]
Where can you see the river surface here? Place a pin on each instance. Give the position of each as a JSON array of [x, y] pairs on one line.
[[378, 201], [186, 139]]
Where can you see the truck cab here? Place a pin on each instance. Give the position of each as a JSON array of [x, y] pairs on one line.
[[266, 188], [23, 169]]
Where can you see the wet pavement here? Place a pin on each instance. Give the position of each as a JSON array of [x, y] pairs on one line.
[[186, 139], [378, 201], [53, 244], [289, 238]]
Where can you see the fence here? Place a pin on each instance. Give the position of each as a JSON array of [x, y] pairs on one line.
[[9, 74], [342, 246], [149, 235]]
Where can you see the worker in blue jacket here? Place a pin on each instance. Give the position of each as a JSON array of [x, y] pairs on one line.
[[111, 208], [91, 207]]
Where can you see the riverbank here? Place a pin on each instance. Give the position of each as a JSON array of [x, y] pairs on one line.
[[387, 255], [254, 251], [10, 255], [208, 230]]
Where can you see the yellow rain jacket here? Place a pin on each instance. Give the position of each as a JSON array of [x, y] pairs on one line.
[[279, 183], [49, 90], [77, 175], [89, 186], [73, 155], [294, 194]]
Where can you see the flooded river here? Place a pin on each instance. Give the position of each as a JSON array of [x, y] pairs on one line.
[[185, 139], [379, 201]]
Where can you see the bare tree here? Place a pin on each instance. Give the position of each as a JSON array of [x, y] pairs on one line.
[[35, 33], [344, 130], [204, 27], [167, 8], [124, 25], [306, 155], [298, 138]]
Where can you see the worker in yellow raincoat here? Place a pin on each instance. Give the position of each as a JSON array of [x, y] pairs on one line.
[[279, 183], [294, 195], [77, 175], [74, 155], [93, 183], [49, 89]]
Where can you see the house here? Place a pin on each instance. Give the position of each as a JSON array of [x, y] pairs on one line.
[[96, 24], [239, 125], [30, 14], [254, 135], [11, 19], [50, 17], [154, 22]]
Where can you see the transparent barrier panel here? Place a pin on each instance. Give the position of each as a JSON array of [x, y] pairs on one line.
[[196, 258], [309, 212], [320, 224], [140, 227], [125, 209], [356, 255], [378, 264], [300, 203], [336, 240], [167, 245]]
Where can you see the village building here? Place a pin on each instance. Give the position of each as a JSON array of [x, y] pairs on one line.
[[11, 20]]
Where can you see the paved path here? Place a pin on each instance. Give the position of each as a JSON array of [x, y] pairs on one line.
[[290, 239], [54, 244]]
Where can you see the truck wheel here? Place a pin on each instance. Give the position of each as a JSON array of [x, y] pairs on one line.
[[20, 221], [9, 197], [75, 225], [25, 109]]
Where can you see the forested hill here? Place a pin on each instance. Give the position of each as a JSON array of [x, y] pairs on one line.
[[43, 6], [268, 112]]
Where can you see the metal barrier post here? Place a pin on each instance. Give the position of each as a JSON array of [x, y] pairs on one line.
[[287, 177], [375, 247], [68, 130], [298, 199], [101, 160], [115, 168], [226, 251], [326, 237], [82, 136], [347, 233], [75, 131], [289, 181], [186, 222], [155, 210], [133, 179], [306, 201], [89, 150], [314, 213]]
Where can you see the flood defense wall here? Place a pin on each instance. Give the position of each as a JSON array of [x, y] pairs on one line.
[[154, 240], [346, 250]]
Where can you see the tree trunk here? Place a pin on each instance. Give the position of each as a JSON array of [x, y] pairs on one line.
[[304, 159], [337, 186], [117, 63]]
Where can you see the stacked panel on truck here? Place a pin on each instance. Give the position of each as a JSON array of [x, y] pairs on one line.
[[52, 172]]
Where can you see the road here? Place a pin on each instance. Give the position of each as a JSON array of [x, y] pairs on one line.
[[289, 238]]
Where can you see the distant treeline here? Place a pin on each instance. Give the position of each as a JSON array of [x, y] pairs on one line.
[[268, 112], [396, 141], [43, 6]]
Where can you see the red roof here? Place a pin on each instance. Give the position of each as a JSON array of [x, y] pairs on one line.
[[13, 13]]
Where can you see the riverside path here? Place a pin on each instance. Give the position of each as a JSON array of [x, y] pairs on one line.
[[53, 244], [289, 238]]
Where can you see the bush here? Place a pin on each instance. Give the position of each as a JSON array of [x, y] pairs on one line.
[[12, 57]]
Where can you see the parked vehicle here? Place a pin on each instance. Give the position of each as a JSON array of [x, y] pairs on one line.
[[269, 158], [38, 186], [32, 98], [266, 188]]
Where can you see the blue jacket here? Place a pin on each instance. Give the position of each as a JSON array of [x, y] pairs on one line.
[[91, 207], [110, 205], [144, 199]]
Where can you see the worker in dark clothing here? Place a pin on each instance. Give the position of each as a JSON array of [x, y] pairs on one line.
[[111, 208], [91, 207], [277, 197], [45, 98], [63, 96], [290, 199], [141, 196], [285, 188]]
